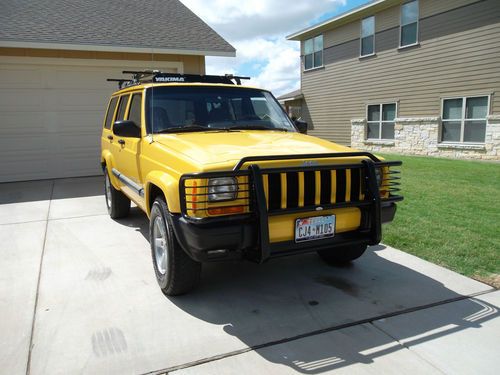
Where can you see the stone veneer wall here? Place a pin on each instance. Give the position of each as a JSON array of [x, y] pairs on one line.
[[421, 135]]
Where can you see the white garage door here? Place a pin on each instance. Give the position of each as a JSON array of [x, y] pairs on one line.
[[51, 113]]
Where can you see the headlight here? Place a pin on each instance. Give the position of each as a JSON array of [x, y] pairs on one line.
[[222, 189]]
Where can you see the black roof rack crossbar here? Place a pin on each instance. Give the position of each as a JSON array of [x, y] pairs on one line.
[[156, 76]]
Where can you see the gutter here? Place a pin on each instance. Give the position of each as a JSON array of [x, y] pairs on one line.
[[330, 22], [103, 48]]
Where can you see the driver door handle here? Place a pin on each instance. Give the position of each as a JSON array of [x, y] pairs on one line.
[[121, 141], [110, 137]]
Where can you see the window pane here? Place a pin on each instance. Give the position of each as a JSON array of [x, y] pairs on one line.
[[409, 34], [318, 59], [451, 131], [308, 61], [122, 107], [135, 109], [388, 130], [318, 43], [374, 113], [308, 47], [111, 112], [452, 109], [409, 13], [368, 26], [373, 130], [477, 108], [475, 131], [367, 46], [389, 112]]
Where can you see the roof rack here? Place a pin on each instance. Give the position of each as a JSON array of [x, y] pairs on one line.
[[157, 76]]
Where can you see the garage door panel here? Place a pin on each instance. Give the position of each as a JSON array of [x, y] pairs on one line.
[[22, 143], [77, 100], [79, 143], [16, 100], [80, 121], [21, 77], [14, 123], [25, 167], [91, 166], [87, 78]]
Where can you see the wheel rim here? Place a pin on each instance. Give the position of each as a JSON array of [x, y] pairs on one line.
[[107, 189], [160, 245]]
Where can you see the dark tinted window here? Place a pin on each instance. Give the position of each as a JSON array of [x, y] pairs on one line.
[[135, 109], [122, 107], [111, 112]]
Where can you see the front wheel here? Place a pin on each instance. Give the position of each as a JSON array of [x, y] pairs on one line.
[[175, 271], [342, 255]]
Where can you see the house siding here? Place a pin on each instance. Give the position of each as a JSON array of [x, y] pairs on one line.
[[458, 55]]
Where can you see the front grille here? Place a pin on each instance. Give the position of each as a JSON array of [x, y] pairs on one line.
[[296, 189]]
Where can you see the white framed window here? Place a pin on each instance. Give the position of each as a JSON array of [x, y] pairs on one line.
[[313, 53], [380, 120], [367, 40], [408, 30], [464, 119]]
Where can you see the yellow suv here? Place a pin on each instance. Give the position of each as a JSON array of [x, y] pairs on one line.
[[223, 173]]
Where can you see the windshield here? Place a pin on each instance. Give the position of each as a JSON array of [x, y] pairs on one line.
[[194, 108]]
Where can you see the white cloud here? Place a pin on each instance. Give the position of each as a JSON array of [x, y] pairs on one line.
[[257, 29]]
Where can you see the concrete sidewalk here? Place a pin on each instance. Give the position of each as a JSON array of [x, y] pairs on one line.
[[78, 295]]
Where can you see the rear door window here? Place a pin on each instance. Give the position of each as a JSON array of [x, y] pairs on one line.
[[111, 112], [134, 114], [122, 107]]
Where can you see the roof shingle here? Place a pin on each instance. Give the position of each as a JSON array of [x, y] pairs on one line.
[[156, 24]]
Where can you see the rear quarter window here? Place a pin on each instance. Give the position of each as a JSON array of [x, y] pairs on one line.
[[111, 112]]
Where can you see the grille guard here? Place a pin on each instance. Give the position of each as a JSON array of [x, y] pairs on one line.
[[258, 203]]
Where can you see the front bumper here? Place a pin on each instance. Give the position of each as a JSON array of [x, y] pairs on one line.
[[238, 238], [247, 236]]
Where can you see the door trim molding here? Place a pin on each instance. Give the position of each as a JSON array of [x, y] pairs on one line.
[[138, 189]]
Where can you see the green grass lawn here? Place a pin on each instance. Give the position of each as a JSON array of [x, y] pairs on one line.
[[450, 215]]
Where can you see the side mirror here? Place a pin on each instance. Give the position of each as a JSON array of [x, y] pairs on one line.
[[301, 126], [126, 128]]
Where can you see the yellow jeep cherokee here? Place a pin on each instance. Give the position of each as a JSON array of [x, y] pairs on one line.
[[223, 173]]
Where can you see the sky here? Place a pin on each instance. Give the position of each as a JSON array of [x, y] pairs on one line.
[[258, 30]]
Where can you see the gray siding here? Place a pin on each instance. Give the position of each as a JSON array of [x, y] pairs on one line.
[[459, 54]]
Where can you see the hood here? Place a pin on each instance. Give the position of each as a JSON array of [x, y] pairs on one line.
[[221, 147]]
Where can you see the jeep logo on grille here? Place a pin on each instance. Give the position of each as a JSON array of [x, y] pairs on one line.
[[310, 163]]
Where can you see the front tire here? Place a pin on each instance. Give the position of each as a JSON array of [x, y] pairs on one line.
[[175, 271], [342, 255], [117, 203]]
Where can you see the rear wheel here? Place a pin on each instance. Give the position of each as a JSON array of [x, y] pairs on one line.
[[175, 271], [118, 204], [342, 255]]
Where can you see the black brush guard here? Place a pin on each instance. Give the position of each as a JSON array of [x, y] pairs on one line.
[[370, 232]]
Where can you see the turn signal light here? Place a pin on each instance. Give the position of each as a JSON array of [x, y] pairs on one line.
[[226, 210]]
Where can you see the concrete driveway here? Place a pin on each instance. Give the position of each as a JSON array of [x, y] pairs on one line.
[[78, 295]]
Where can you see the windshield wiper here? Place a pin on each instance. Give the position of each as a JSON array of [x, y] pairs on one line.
[[185, 129], [255, 127]]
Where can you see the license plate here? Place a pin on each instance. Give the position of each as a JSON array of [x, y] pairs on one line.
[[314, 228]]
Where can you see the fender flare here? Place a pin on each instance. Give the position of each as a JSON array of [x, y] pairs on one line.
[[168, 184], [107, 161]]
